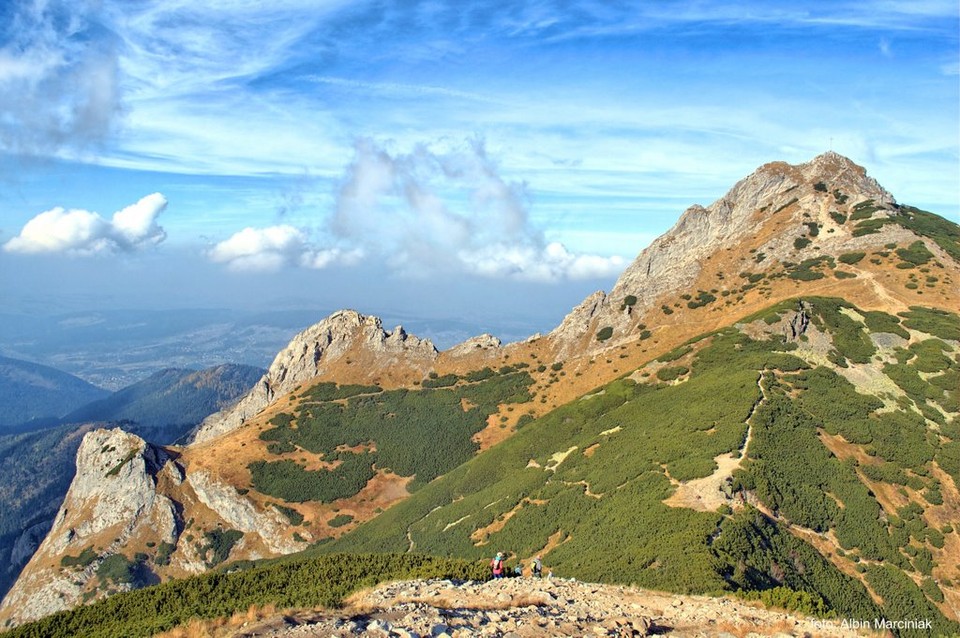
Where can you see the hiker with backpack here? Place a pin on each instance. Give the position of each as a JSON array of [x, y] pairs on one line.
[[536, 567], [497, 565]]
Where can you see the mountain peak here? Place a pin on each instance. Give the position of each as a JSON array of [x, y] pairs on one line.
[[834, 161], [768, 217], [357, 341], [829, 168]]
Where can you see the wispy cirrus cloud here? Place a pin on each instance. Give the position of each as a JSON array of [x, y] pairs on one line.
[[58, 77], [82, 232], [401, 89], [594, 104]]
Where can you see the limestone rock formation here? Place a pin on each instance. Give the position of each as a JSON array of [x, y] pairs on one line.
[[240, 514], [485, 344], [577, 324], [314, 350], [113, 498], [768, 209]]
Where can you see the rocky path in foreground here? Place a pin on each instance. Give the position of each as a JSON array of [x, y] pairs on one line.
[[524, 608]]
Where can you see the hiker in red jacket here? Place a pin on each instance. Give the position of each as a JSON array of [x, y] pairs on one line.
[[497, 565]]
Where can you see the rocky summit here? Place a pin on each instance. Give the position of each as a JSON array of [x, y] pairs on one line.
[[533, 608], [310, 352]]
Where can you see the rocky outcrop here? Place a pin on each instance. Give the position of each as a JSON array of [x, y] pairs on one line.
[[239, 513], [577, 324], [485, 344], [112, 499], [313, 351], [528, 608]]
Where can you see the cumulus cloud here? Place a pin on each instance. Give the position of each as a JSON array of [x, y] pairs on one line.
[[58, 76], [552, 262], [433, 210], [436, 209], [270, 249], [82, 232]]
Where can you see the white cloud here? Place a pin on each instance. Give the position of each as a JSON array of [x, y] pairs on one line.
[[436, 210], [81, 232], [443, 208], [270, 249], [136, 224], [549, 263]]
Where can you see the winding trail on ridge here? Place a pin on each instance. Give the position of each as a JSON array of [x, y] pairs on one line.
[[706, 494]]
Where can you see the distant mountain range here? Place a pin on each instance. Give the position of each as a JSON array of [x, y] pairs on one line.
[[33, 392], [168, 403], [764, 405], [114, 348]]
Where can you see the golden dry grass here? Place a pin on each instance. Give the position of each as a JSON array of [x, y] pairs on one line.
[[221, 627]]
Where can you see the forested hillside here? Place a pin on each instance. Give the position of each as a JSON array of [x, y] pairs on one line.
[[31, 391], [35, 471], [165, 405], [356, 432]]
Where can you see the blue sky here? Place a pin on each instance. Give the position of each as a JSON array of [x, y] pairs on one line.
[[345, 153]]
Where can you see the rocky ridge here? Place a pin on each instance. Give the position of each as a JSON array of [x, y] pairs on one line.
[[776, 194], [311, 352], [112, 498], [528, 608], [130, 495]]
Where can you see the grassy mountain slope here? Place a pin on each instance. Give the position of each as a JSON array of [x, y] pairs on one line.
[[836, 492], [32, 391], [743, 461], [332, 456], [329, 459]]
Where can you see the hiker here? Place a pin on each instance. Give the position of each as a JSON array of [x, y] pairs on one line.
[[518, 571], [497, 565], [536, 567]]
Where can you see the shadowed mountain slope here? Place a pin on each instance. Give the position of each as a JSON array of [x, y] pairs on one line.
[[32, 391], [165, 405]]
